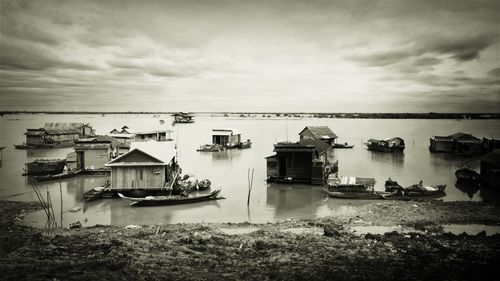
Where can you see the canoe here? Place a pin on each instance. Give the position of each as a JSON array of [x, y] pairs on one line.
[[169, 199], [57, 176], [467, 175], [354, 195], [339, 145]]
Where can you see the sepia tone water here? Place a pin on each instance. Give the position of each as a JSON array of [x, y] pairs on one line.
[[228, 169]]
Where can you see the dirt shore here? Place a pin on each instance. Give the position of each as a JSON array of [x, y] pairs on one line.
[[333, 248]]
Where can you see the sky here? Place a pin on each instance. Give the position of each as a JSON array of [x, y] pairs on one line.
[[248, 55]]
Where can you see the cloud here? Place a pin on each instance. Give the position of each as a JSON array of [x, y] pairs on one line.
[[495, 72], [31, 57], [461, 49]]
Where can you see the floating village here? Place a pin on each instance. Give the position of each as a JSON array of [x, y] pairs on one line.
[[142, 166], [140, 173]]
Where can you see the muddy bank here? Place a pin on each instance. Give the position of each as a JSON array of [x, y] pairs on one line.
[[320, 249]]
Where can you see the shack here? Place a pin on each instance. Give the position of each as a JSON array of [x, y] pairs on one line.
[[157, 135], [228, 138], [456, 143], [490, 169], [93, 153], [322, 133], [147, 166], [183, 117], [307, 161], [54, 135]]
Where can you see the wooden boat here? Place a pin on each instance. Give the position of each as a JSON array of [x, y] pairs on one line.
[[354, 195], [349, 184], [45, 167], [391, 185], [416, 191], [21, 146], [340, 145], [97, 192], [63, 175], [210, 148], [466, 175], [169, 199], [395, 144], [246, 144]]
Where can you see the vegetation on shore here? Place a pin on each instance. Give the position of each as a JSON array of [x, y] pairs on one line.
[[319, 249]]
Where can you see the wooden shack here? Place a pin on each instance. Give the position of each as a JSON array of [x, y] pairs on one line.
[[457, 143], [229, 138], [490, 169], [322, 133], [93, 153], [302, 162], [157, 135], [147, 166], [183, 117], [57, 134]]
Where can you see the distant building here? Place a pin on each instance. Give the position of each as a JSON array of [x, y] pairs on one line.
[[490, 169], [322, 133], [158, 135], [57, 134], [306, 161], [182, 117], [147, 166], [226, 137], [457, 143]]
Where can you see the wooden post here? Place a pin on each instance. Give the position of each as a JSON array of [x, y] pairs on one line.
[[250, 185]]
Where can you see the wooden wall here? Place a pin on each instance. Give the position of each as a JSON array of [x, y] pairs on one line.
[[138, 177]]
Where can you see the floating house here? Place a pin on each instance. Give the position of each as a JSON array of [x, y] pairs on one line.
[[228, 138], [456, 143], [395, 144], [490, 169], [306, 161], [182, 117], [322, 133], [93, 153], [54, 135], [147, 166]]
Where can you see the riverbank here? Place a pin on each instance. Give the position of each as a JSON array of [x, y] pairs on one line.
[[345, 246]]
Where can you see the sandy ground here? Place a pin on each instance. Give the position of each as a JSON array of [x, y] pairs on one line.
[[319, 249]]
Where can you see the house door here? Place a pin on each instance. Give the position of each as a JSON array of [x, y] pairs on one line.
[[80, 160]]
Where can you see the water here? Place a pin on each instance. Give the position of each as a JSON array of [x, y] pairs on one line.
[[228, 169]]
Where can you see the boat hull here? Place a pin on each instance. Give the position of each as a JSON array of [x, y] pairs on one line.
[[45, 167], [467, 176], [354, 195], [57, 176], [379, 148], [170, 200]]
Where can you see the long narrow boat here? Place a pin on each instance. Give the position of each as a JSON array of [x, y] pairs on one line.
[[64, 175], [354, 195], [340, 145], [96, 192], [170, 199]]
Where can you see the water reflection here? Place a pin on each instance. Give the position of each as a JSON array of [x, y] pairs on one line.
[[294, 200], [397, 159], [226, 155], [468, 189]]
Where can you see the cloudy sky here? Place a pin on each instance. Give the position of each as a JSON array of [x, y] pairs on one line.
[[239, 55]]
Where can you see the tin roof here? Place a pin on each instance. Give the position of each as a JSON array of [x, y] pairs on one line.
[[157, 153], [320, 132]]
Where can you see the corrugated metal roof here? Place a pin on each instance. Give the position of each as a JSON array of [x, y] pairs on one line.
[[320, 132], [161, 151], [321, 147]]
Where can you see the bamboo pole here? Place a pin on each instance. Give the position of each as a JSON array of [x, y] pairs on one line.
[[250, 184]]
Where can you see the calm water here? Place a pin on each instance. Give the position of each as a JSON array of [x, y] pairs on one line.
[[228, 169]]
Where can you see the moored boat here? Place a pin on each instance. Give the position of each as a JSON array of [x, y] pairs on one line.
[[354, 195], [413, 191], [63, 175], [170, 199], [246, 144], [45, 167], [349, 184], [466, 175], [340, 145], [210, 148]]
